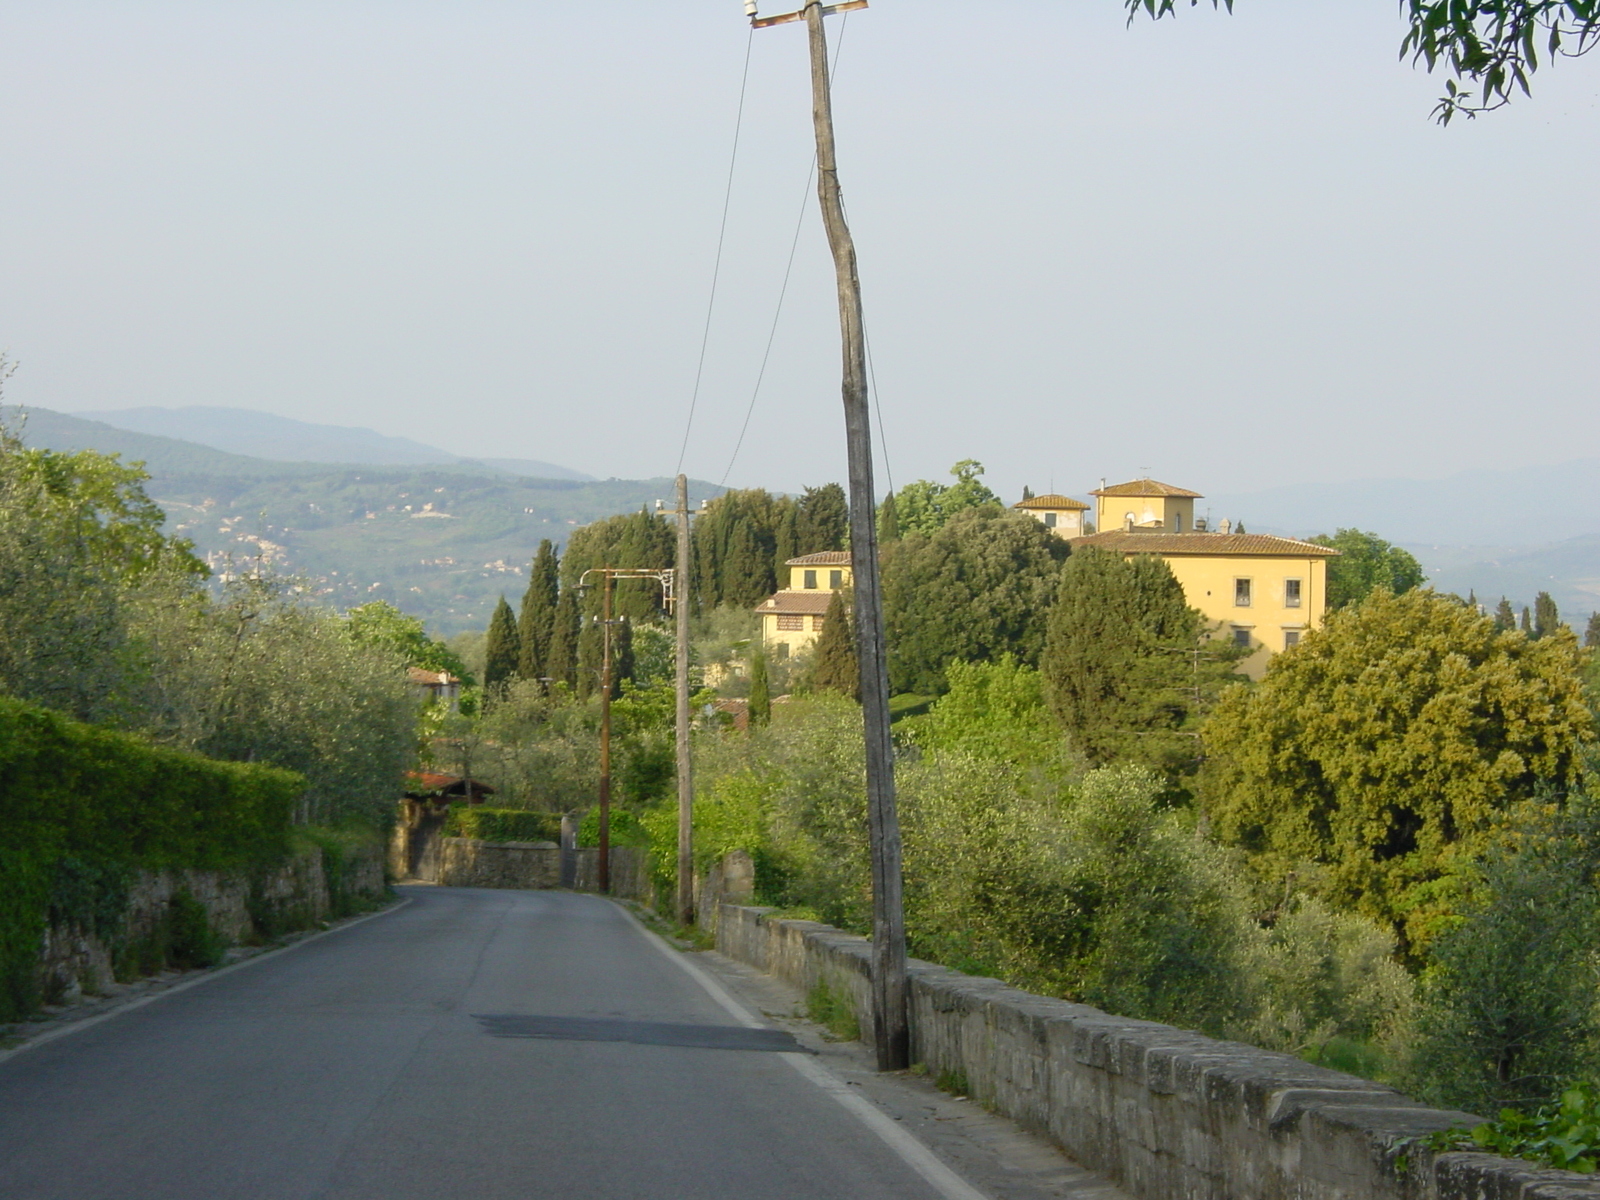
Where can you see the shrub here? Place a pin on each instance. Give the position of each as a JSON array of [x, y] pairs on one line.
[[502, 824]]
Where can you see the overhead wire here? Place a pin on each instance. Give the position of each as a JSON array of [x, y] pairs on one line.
[[716, 268], [783, 290]]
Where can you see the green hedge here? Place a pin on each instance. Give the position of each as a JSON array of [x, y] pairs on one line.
[[502, 824], [85, 807]]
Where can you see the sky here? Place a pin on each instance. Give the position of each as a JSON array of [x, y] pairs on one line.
[[1232, 252]]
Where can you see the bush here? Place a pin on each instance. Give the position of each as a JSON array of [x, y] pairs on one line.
[[502, 824], [87, 806]]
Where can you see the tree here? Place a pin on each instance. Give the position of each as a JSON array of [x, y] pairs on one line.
[[536, 620], [1505, 617], [1124, 665], [1546, 617], [888, 520], [381, 624], [1388, 748], [924, 506], [501, 652], [822, 520], [980, 586], [622, 665], [562, 662], [1591, 635], [760, 688], [1527, 623], [1507, 1014], [834, 668], [735, 545], [1492, 44], [1367, 562]]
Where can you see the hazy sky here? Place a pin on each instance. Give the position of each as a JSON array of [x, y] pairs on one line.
[[1231, 251]]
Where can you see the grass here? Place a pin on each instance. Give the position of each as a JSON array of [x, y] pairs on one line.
[[834, 1012]]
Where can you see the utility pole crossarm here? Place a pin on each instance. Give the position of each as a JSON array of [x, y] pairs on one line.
[[827, 10]]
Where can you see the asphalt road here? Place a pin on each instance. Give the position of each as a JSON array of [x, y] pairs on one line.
[[359, 1066]]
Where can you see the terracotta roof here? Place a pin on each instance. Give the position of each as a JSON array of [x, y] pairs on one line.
[[1158, 542], [430, 678], [812, 600], [428, 781], [1051, 500], [1145, 487], [827, 558]]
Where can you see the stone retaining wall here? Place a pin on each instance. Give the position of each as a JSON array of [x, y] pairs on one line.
[[467, 862], [1164, 1112], [296, 894]]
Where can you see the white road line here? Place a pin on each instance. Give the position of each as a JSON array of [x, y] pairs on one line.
[[71, 1027], [913, 1153]]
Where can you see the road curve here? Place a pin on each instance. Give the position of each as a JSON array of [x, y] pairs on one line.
[[359, 1067]]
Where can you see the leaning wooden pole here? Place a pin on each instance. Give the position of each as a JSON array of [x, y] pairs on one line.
[[605, 736], [891, 1030], [680, 603]]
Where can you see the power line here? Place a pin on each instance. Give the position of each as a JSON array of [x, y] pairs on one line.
[[772, 333], [716, 269]]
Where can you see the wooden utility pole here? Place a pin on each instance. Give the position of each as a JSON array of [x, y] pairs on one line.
[[605, 737], [891, 1030], [680, 602]]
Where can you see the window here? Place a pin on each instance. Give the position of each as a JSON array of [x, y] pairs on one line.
[[1291, 593], [810, 578], [1049, 520], [1291, 638], [1241, 637], [816, 624], [791, 621], [1241, 593], [835, 581], [780, 650], [1177, 522]]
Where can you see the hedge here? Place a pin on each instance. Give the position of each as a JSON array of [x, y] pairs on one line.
[[85, 807], [502, 824]]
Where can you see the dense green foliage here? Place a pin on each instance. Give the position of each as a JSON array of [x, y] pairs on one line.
[[381, 624], [502, 824], [1388, 747], [641, 540], [1366, 562], [834, 665], [979, 586], [1126, 670], [1546, 617], [1508, 1002], [925, 507], [86, 806], [537, 616], [502, 648]]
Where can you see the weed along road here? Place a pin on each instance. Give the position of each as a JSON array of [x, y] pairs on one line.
[[471, 1045]]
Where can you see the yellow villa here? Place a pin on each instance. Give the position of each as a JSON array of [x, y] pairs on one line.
[[1263, 591], [1062, 515], [792, 619]]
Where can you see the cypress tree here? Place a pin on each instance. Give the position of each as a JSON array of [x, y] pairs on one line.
[[834, 668], [1027, 492], [561, 663], [788, 543], [1527, 622], [622, 664], [536, 621], [1505, 617], [1472, 599], [760, 689], [1546, 617], [824, 519], [1116, 667], [888, 520], [501, 650], [590, 650], [1591, 636]]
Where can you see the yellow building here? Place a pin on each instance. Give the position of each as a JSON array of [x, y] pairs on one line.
[[1062, 515], [1145, 504], [792, 619], [1263, 591]]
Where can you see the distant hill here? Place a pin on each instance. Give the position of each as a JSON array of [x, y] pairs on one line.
[[1529, 506], [1569, 570], [282, 439], [441, 541]]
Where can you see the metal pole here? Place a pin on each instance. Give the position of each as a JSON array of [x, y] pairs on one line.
[[681, 671], [605, 736], [891, 1030]]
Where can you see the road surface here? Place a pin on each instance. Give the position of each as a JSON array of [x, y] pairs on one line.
[[471, 1045]]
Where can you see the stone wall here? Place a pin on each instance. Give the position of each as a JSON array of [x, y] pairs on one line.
[[467, 862], [1164, 1112], [630, 873], [296, 895]]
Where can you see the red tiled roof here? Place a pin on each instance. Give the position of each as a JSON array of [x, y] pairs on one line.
[[812, 600], [825, 558], [430, 678], [1051, 500], [429, 781], [1158, 542], [1145, 487]]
